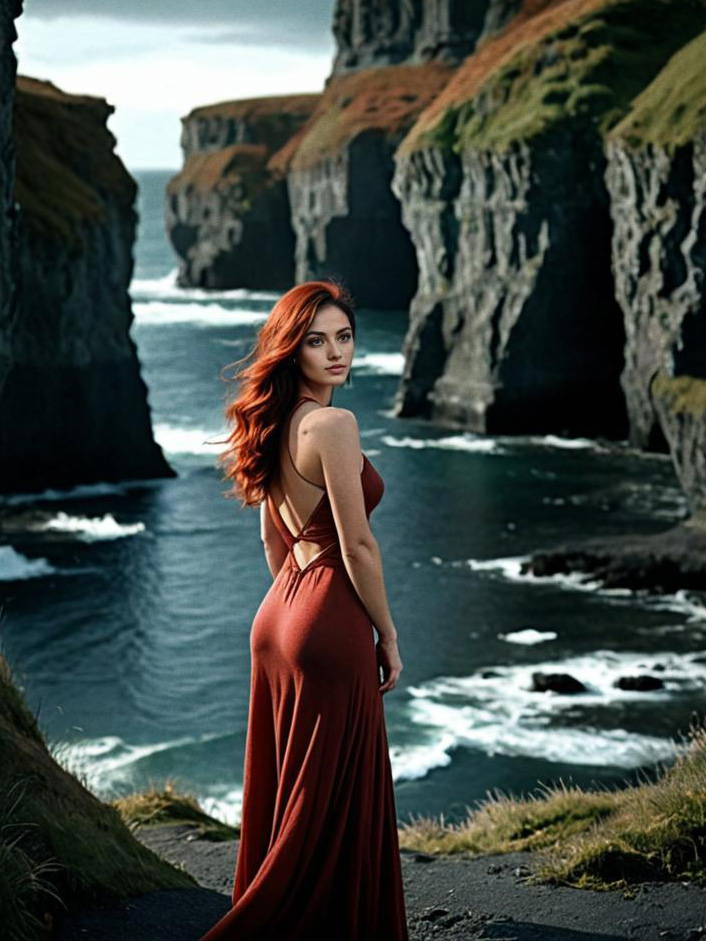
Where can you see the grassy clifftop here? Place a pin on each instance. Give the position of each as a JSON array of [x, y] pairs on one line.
[[672, 109], [60, 846], [386, 98], [211, 170], [66, 167], [577, 60]]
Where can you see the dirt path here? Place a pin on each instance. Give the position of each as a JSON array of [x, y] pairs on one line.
[[483, 898]]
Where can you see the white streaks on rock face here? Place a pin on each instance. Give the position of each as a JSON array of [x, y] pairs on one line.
[[513, 253], [658, 206], [226, 213], [371, 33]]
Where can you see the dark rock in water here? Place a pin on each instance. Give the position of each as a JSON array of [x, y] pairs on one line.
[[556, 682], [642, 683], [657, 563], [73, 405]]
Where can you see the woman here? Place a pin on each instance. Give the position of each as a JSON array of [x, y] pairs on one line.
[[319, 854]]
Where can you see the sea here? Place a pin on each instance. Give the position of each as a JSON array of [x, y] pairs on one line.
[[125, 609]]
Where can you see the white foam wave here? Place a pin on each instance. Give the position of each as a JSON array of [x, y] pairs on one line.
[[159, 313], [385, 364], [495, 710], [492, 444], [223, 803], [166, 288], [463, 442], [88, 529], [528, 636], [509, 568], [681, 601], [556, 441], [16, 567], [175, 440], [108, 761]]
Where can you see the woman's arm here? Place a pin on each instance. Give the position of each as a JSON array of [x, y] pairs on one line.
[[338, 443], [275, 546]]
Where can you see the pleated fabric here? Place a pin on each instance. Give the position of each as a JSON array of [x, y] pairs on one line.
[[319, 853]]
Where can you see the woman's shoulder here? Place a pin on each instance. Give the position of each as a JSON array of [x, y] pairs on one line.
[[331, 422]]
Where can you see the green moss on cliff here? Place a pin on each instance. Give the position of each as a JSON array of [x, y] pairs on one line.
[[672, 109], [586, 68], [681, 394]]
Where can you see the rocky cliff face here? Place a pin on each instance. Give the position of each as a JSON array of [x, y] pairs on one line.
[[9, 11], [370, 33], [339, 172], [73, 408], [227, 214], [515, 325], [338, 214], [656, 176], [680, 405]]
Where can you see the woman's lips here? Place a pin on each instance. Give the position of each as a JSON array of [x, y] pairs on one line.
[[335, 368]]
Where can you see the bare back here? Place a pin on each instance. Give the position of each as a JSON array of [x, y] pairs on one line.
[[297, 493]]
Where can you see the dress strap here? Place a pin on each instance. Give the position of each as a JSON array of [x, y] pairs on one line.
[[301, 399]]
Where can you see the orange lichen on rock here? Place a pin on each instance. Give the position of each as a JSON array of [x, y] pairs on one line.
[[387, 98], [534, 20], [248, 109], [206, 172]]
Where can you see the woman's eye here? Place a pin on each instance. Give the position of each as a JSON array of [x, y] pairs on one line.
[[317, 340]]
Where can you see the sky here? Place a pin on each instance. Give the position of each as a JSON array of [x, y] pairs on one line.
[[155, 60]]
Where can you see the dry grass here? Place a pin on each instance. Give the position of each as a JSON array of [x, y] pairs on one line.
[[600, 839]]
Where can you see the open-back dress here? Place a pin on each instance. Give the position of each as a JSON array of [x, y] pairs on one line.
[[319, 853]]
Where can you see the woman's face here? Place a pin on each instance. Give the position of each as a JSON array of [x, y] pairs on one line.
[[327, 343]]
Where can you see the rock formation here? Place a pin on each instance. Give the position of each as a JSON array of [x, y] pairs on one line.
[[656, 176], [227, 214], [9, 11], [339, 170], [392, 59], [370, 33], [73, 405], [515, 326]]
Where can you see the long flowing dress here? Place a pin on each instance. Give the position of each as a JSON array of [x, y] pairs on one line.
[[319, 853]]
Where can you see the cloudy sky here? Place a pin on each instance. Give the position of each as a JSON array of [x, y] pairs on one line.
[[155, 60]]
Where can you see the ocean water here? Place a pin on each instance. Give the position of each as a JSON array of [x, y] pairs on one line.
[[126, 610]]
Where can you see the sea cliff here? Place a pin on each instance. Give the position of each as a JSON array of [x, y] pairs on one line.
[[73, 404], [227, 211]]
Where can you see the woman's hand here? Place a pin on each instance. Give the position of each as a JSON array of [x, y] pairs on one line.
[[388, 657]]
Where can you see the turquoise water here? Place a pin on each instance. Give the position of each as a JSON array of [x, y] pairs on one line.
[[126, 610]]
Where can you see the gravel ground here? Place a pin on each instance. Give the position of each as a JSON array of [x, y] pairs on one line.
[[447, 897]]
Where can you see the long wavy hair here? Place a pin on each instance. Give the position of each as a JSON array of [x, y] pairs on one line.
[[268, 387]]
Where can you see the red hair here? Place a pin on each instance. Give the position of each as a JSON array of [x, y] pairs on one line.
[[268, 387]]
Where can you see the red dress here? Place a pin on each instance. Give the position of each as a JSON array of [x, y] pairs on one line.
[[319, 853]]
